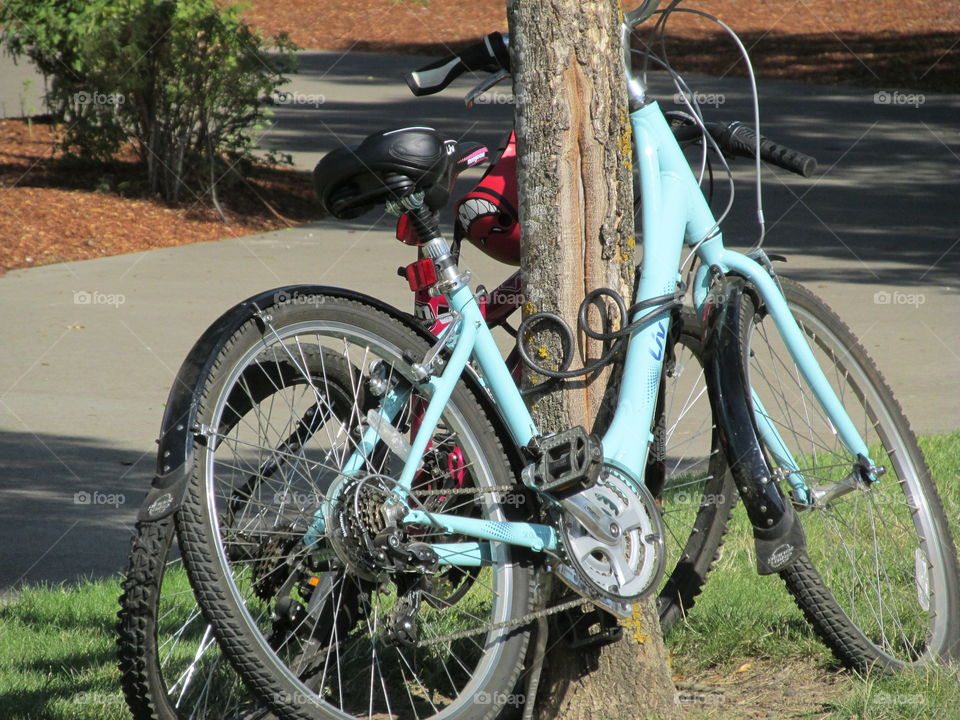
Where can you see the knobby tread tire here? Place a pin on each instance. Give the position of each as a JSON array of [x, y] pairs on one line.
[[679, 594], [136, 640], [829, 621], [203, 568]]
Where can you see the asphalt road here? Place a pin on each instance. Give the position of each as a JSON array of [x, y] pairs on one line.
[[90, 348]]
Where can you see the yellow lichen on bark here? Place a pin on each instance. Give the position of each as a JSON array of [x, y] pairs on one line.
[[633, 625]]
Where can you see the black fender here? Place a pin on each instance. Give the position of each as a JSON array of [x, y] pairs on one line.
[[777, 532], [179, 427]]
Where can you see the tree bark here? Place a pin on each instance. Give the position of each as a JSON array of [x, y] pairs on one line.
[[576, 213]]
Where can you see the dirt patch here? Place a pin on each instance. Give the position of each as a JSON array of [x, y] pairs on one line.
[[761, 690]]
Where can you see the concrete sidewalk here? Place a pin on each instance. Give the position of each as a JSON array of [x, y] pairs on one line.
[[90, 348]]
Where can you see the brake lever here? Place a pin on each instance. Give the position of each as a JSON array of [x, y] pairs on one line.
[[480, 89]]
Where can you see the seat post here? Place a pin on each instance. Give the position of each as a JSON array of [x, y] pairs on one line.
[[426, 222]]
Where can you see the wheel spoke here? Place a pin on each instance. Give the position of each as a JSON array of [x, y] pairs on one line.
[[864, 543]]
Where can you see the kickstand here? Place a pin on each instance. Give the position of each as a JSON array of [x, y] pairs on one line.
[[539, 651]]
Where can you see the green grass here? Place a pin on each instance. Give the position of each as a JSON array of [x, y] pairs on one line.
[[57, 654], [57, 643], [930, 695], [741, 615]]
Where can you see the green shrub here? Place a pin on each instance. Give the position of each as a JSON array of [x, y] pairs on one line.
[[184, 82]]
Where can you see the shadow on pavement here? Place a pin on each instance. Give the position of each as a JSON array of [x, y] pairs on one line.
[[900, 58], [882, 196], [68, 506]]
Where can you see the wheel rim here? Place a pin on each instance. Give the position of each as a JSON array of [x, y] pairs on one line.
[[345, 666], [877, 548]]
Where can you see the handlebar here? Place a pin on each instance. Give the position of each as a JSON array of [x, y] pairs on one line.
[[492, 55], [488, 55], [740, 140]]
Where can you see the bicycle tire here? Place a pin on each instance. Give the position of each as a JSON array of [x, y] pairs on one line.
[[912, 563], [245, 631], [698, 488], [149, 677], [170, 668]]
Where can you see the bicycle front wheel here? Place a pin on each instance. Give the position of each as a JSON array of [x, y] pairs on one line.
[[879, 582], [687, 474], [315, 620]]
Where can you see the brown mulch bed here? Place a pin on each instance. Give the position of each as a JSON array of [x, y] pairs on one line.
[[882, 43], [51, 211]]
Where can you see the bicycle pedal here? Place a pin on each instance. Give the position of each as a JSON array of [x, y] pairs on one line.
[[565, 463], [585, 629]]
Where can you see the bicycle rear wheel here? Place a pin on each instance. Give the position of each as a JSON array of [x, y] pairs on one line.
[[171, 667], [879, 583], [306, 612]]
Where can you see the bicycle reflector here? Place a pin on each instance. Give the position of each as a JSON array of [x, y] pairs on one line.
[[405, 232], [421, 274]]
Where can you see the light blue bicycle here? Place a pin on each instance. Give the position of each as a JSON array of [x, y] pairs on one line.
[[366, 511]]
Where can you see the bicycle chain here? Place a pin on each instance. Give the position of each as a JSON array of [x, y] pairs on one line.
[[505, 624], [514, 622], [468, 491]]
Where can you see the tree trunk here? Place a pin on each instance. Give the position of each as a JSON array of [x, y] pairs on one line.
[[576, 211]]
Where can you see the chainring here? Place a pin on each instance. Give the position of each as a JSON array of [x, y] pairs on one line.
[[629, 568]]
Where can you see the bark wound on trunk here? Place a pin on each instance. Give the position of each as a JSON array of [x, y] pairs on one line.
[[576, 211]]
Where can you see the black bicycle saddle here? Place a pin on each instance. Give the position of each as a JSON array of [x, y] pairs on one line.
[[390, 164]]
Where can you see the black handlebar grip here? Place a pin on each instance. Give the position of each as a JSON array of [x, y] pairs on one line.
[[488, 55], [740, 139], [434, 77]]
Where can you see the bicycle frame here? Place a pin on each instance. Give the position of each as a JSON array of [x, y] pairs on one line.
[[674, 213]]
